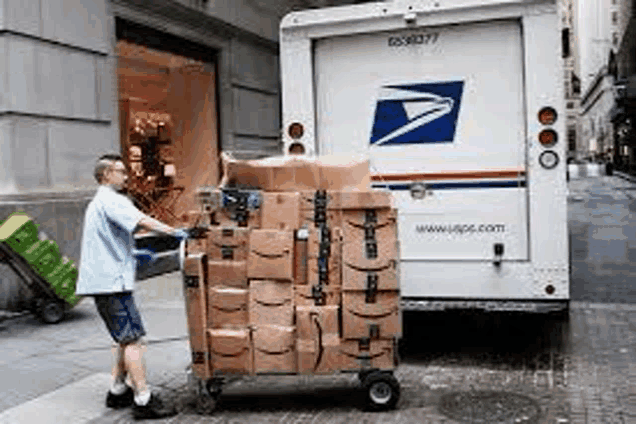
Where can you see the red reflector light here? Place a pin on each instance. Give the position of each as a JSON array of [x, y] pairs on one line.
[[547, 137], [296, 149], [296, 130], [547, 116]]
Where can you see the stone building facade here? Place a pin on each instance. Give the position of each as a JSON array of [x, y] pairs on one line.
[[60, 104]]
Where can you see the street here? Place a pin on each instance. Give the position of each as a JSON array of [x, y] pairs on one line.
[[457, 367]]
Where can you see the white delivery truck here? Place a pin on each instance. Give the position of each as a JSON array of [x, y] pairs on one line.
[[459, 106]]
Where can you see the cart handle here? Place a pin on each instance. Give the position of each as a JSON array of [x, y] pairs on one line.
[[182, 255]]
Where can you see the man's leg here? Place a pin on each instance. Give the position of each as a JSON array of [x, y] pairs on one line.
[[120, 394], [118, 375], [135, 364]]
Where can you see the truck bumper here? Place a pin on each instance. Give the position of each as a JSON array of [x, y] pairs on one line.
[[504, 305]]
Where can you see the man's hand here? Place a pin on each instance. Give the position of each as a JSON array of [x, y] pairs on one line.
[[181, 233]]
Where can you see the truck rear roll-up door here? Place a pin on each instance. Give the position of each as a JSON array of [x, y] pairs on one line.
[[443, 106]]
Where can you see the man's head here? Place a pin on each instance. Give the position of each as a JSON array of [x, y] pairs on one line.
[[110, 170]]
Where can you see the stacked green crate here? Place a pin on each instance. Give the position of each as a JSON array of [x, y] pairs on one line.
[[21, 234]]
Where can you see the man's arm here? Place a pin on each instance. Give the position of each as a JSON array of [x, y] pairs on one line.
[[156, 226]]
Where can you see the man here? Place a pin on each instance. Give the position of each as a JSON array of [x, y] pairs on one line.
[[107, 270]]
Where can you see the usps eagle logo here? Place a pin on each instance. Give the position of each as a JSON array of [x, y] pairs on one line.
[[417, 113]]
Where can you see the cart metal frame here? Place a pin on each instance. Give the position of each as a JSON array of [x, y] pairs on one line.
[[46, 305]]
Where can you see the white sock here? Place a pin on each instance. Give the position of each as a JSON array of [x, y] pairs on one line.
[[142, 398], [117, 387]]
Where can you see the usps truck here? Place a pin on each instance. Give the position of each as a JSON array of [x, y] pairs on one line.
[[459, 107]]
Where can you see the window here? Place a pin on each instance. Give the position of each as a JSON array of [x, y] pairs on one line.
[[572, 139], [565, 42], [576, 84], [614, 39], [614, 18], [569, 105]]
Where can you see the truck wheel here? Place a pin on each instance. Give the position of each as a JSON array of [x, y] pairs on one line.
[[381, 391], [51, 312]]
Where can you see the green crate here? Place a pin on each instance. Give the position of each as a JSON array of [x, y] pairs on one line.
[[21, 234]]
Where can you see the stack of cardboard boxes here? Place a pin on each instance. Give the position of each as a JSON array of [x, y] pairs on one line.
[[294, 282]]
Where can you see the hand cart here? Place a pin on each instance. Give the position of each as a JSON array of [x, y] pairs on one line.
[[47, 305], [37, 262], [379, 388]]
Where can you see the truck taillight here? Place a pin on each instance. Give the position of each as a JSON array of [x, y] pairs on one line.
[[547, 137], [547, 116], [295, 130]]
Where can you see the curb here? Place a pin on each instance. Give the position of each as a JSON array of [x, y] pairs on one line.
[[625, 176]]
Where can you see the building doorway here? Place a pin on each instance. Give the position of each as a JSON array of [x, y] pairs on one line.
[[168, 120]]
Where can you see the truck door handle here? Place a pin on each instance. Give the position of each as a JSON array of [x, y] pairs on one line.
[[499, 250]]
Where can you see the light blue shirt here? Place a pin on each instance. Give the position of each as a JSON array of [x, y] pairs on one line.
[[107, 263]]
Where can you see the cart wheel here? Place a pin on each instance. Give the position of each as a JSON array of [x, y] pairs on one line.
[[214, 387], [51, 312], [206, 404], [209, 396], [381, 391]]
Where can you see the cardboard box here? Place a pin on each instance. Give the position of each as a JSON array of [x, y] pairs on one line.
[[194, 270], [227, 307], [230, 351], [195, 300], [223, 218], [313, 243], [303, 295], [228, 274], [384, 277], [272, 174], [301, 250], [379, 320], [274, 349], [271, 303], [294, 173], [374, 199], [324, 357], [334, 355], [281, 211], [228, 244], [307, 198], [334, 271], [357, 218], [315, 322], [333, 217], [385, 239], [378, 354], [344, 173], [271, 255], [195, 246]]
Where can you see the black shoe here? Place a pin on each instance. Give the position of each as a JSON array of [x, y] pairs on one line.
[[154, 409], [124, 400]]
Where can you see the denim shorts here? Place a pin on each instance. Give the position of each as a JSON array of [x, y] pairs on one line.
[[120, 316]]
